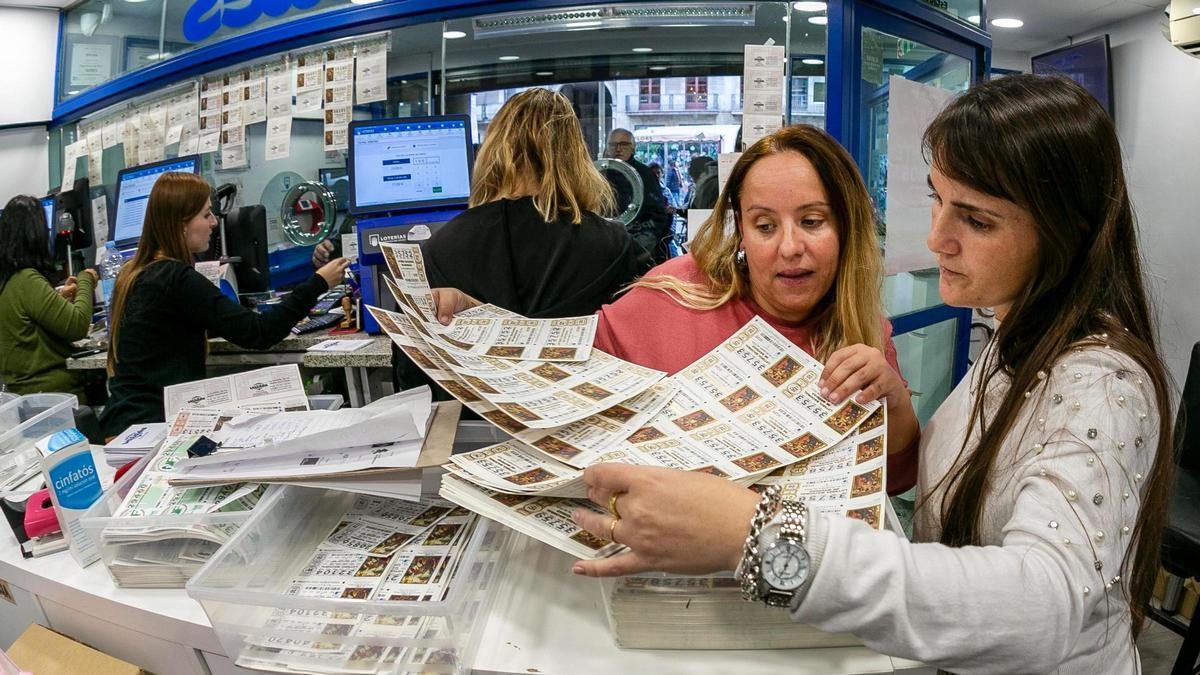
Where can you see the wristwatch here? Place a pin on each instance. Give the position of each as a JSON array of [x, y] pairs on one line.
[[785, 562], [775, 562]]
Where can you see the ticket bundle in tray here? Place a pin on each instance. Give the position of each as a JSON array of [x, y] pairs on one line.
[[153, 535], [330, 582]]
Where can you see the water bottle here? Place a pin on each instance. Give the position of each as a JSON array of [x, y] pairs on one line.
[[110, 265]]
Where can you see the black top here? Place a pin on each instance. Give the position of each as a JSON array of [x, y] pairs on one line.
[[169, 314], [503, 252]]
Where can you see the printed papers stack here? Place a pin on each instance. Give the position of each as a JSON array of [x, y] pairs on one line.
[[134, 443], [380, 552], [157, 535], [381, 449], [674, 612], [748, 408]]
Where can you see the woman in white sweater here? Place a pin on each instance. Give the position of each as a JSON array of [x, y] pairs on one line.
[[1044, 475]]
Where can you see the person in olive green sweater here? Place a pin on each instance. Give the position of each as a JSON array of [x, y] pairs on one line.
[[37, 323]]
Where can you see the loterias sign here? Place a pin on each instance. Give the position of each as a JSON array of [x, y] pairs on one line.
[[205, 17]]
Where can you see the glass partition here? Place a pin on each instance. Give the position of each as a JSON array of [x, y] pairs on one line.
[[672, 75], [884, 55]]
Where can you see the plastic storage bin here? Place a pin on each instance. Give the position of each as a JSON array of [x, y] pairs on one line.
[[326, 401], [245, 583], [169, 572], [24, 420], [476, 434]]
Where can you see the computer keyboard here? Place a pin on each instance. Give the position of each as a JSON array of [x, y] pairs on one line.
[[314, 323]]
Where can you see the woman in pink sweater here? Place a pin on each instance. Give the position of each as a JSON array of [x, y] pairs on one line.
[[802, 254]]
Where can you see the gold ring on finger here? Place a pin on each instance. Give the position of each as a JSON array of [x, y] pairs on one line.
[[612, 530], [612, 505]]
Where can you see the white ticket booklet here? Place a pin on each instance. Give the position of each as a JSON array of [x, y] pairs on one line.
[[271, 389], [534, 394], [485, 332], [594, 433]]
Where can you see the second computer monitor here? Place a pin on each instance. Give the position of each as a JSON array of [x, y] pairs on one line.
[[133, 192], [409, 163], [246, 238], [51, 230]]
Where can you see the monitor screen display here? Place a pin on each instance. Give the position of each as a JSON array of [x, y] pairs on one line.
[[337, 180], [409, 163], [48, 207], [133, 192], [1086, 63]]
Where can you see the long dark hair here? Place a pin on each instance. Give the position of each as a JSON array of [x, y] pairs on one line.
[[24, 239], [1048, 146], [175, 199]]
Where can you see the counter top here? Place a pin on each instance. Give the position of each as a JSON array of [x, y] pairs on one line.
[[291, 349]]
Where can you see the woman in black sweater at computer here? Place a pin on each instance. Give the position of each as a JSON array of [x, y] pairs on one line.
[[163, 310]]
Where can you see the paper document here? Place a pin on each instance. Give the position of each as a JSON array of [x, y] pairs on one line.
[[275, 388], [339, 346]]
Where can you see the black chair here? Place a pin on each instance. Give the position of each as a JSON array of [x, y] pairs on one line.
[[1181, 540]]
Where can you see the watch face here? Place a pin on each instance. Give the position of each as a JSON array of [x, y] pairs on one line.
[[785, 565]]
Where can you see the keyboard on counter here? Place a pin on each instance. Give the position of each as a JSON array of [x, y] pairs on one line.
[[315, 323]]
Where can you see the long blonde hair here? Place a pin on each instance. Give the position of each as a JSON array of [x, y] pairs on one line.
[[535, 139], [850, 312], [175, 199]]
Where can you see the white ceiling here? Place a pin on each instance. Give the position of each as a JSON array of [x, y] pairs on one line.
[[1049, 24]]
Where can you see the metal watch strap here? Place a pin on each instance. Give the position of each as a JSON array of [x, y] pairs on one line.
[[792, 517], [751, 555]]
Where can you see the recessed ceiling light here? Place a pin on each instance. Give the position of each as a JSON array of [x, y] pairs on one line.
[[362, 2], [809, 6], [819, 20], [158, 57], [974, 18], [811, 62], [659, 67], [1196, 10], [544, 73], [510, 58], [454, 34], [643, 50], [784, 18], [1007, 23]]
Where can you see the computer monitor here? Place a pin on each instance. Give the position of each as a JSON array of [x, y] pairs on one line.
[[77, 201], [246, 238], [1087, 63], [410, 163], [338, 181], [51, 230], [133, 192]]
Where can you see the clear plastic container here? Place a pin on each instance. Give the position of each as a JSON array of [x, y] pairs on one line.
[[245, 583], [326, 401], [168, 571], [24, 420], [476, 434], [672, 611]]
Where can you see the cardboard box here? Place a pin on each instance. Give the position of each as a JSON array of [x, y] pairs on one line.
[[42, 651]]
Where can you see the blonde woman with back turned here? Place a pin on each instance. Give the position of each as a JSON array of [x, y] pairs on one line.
[[532, 240]]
